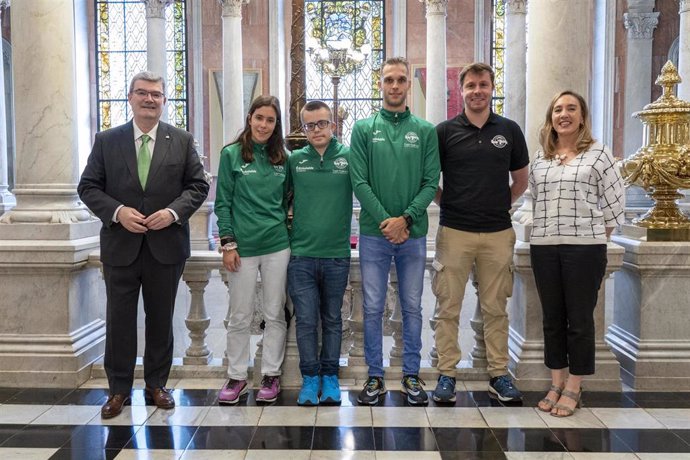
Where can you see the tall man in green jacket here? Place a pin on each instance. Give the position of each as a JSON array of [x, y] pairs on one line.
[[395, 170], [320, 258]]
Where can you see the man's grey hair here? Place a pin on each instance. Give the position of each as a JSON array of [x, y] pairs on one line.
[[147, 75]]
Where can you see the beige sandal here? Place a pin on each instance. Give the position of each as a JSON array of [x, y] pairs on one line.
[[568, 411], [550, 403]]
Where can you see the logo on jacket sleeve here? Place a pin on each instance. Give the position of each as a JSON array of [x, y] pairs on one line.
[[499, 141]]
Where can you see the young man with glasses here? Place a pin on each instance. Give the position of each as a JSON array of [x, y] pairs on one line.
[[395, 172], [319, 177]]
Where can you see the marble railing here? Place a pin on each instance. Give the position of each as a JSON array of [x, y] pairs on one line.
[[206, 266], [201, 266]]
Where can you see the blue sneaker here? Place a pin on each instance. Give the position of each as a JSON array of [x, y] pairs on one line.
[[309, 394], [445, 390], [330, 390], [503, 388]]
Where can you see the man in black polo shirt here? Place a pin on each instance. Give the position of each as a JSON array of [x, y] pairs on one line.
[[478, 151]]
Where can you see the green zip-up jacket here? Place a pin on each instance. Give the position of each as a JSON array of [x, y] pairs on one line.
[[251, 201], [322, 206], [394, 167]]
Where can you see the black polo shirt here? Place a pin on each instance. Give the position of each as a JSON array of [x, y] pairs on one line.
[[476, 164]]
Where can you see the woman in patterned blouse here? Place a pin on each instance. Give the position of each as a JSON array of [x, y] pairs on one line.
[[577, 195]]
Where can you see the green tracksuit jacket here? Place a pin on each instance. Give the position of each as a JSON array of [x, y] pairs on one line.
[[251, 201], [322, 206], [394, 166]]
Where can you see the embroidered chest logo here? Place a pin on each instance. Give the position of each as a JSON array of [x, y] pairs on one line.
[[411, 140], [279, 170], [340, 166], [499, 141], [412, 137]]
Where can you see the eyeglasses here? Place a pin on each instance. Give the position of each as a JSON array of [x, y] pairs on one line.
[[155, 95], [322, 124]]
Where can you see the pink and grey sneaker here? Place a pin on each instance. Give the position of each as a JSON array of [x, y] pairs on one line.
[[232, 391], [270, 387]]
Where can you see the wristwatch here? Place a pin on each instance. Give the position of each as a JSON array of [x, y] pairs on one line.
[[408, 220]]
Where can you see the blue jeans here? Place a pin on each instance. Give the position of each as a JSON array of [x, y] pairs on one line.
[[375, 255], [316, 287]]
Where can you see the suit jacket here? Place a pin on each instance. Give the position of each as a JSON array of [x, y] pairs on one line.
[[175, 181]]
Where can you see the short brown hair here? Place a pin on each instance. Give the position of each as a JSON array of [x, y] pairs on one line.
[[397, 60], [312, 106], [477, 67]]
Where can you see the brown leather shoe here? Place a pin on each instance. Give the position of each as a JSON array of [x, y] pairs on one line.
[[113, 406], [160, 396]]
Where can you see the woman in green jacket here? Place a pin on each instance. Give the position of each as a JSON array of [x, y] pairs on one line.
[[251, 209]]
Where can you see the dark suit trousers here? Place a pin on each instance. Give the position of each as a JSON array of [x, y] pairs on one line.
[[158, 283]]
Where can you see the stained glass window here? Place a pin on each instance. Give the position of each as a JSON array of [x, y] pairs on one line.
[[345, 39], [121, 53], [498, 50]]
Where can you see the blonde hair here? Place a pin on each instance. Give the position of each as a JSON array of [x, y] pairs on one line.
[[548, 138]]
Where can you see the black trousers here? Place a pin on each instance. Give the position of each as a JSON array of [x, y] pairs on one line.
[[568, 277], [158, 284]]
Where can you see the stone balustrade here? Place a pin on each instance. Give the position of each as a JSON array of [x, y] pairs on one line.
[[198, 360]]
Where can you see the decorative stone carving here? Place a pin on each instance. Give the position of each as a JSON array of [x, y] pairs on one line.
[[156, 8], [4, 4], [640, 26], [233, 7], [298, 71], [516, 6], [434, 7], [684, 6]]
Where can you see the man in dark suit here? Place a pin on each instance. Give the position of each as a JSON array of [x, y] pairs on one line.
[[143, 180]]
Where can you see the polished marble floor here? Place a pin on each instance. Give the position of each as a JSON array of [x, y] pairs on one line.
[[37, 423]]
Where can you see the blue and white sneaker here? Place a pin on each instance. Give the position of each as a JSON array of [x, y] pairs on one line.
[[503, 388], [445, 390], [330, 390], [412, 387], [309, 394]]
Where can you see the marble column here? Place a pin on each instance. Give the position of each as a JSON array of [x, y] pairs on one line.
[[684, 50], [516, 60], [436, 91], [233, 106], [649, 333], [640, 23], [155, 36], [555, 62], [277, 51], [52, 328], [7, 200], [399, 21]]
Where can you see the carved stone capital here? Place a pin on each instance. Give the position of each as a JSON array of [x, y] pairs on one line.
[[516, 6], [640, 26], [156, 8], [435, 7], [233, 7], [684, 6], [3, 4]]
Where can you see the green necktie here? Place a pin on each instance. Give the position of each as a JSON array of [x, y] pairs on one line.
[[143, 160]]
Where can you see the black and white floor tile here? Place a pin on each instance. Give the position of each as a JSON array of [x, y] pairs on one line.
[[39, 423]]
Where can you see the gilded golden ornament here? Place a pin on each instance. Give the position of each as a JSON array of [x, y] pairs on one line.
[[662, 165]]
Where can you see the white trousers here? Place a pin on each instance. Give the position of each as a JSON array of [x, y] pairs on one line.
[[273, 270]]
